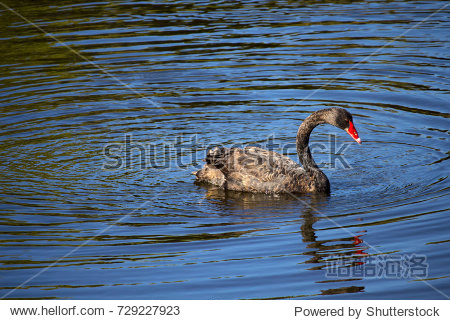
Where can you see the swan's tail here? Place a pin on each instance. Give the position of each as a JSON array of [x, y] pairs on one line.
[[218, 157], [213, 170]]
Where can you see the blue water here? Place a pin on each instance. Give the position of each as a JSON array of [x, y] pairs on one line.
[[176, 78]]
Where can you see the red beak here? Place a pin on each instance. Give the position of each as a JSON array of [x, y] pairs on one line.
[[352, 132]]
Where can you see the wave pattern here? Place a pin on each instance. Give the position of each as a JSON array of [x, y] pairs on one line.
[[179, 76]]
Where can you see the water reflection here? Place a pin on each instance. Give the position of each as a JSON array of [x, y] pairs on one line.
[[321, 253]]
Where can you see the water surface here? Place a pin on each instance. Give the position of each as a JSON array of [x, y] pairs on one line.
[[177, 77]]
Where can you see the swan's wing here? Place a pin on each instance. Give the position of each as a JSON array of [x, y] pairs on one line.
[[251, 169], [263, 164]]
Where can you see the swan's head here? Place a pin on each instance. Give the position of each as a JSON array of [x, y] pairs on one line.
[[342, 119]]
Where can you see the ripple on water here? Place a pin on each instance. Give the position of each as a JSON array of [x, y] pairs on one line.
[[190, 75]]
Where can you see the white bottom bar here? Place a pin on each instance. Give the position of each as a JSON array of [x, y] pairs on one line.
[[224, 309]]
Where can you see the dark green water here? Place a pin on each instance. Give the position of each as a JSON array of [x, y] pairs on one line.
[[177, 77]]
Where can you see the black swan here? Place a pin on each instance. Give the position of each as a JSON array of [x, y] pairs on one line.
[[257, 170]]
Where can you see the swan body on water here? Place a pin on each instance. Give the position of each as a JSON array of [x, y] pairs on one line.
[[257, 170]]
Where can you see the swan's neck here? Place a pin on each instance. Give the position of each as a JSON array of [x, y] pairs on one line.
[[303, 150]]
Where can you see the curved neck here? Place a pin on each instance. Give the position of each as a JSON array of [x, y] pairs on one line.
[[303, 133]]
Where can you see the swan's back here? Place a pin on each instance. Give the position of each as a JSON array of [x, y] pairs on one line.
[[253, 169]]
